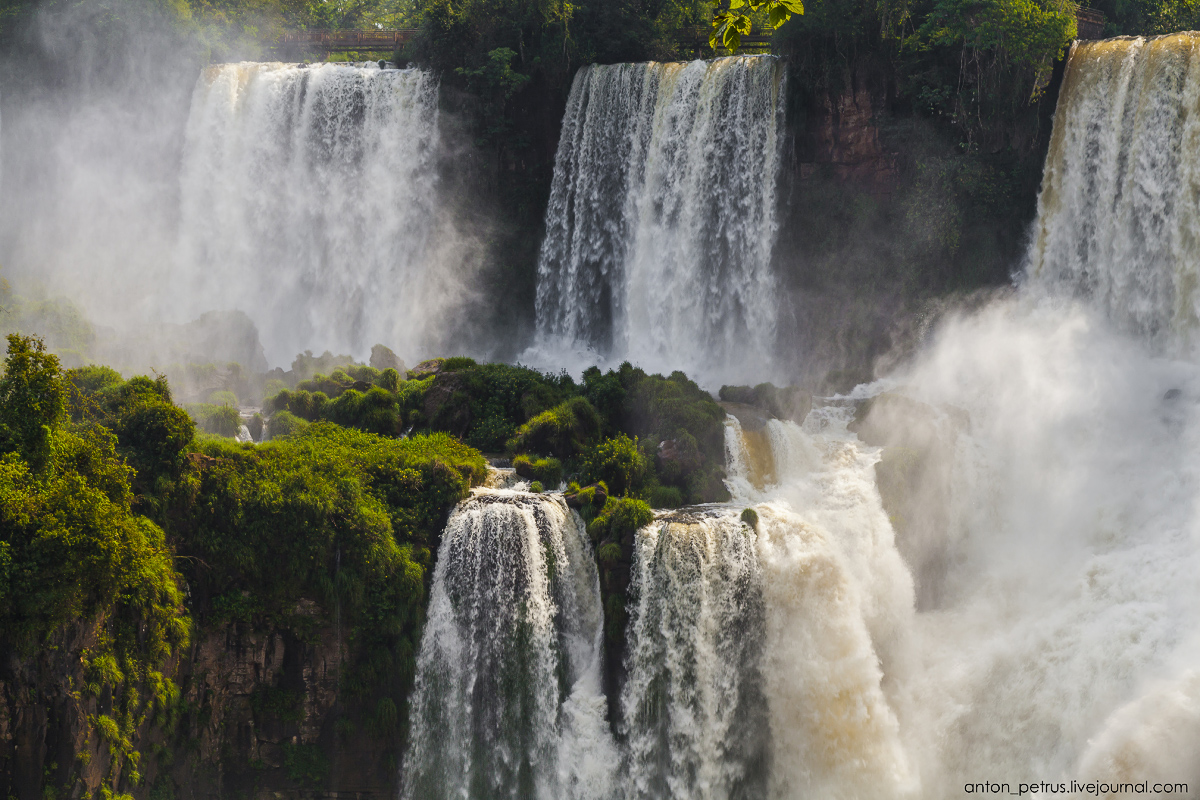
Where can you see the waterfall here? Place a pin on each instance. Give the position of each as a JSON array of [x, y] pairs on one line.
[[661, 219], [308, 199], [1119, 212], [694, 707], [507, 701]]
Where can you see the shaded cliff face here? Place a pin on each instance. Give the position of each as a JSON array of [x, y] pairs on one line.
[[887, 217], [258, 715]]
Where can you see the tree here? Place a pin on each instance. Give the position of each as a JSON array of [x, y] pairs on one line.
[[732, 19], [33, 399]]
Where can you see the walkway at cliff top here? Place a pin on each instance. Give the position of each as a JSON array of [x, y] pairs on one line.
[[325, 41]]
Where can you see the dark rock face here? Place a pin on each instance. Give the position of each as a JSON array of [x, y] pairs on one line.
[[781, 402], [259, 716]]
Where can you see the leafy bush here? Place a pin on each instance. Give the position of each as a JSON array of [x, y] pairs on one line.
[[750, 517], [155, 435], [562, 431], [617, 462], [283, 424], [33, 400], [536, 487], [666, 497], [620, 517], [548, 471], [218, 420], [222, 397]]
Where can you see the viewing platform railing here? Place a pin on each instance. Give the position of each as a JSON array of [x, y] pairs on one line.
[[346, 41]]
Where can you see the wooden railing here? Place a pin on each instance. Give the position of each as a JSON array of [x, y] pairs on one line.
[[344, 41], [1089, 23], [694, 40]]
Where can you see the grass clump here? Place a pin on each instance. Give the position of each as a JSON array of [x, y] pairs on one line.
[[548, 471]]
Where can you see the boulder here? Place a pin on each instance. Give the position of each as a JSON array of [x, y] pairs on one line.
[[425, 369], [383, 358]]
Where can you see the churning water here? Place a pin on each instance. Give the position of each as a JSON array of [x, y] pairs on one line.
[[309, 198], [662, 220]]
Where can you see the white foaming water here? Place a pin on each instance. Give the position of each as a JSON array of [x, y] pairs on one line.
[[507, 701], [309, 195], [1071, 594], [1119, 212], [839, 615], [695, 716], [661, 220]]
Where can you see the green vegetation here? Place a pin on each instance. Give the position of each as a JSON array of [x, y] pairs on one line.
[[659, 439], [109, 503], [73, 552], [547, 471], [750, 517], [733, 19]]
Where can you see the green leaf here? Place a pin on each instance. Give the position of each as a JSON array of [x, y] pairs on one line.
[[778, 16], [794, 6], [743, 25], [736, 4], [732, 39]]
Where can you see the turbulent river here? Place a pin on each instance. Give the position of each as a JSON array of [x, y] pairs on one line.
[[1035, 618]]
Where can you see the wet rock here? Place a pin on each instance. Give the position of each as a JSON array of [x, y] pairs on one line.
[[425, 369], [781, 402], [383, 358]]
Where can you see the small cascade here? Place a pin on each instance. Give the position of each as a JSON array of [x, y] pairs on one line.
[[695, 714], [505, 478], [243, 434], [507, 701], [661, 220], [308, 201], [749, 457]]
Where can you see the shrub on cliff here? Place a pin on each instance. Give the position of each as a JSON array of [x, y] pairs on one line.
[[620, 517], [561, 431], [548, 471], [217, 420], [617, 462]]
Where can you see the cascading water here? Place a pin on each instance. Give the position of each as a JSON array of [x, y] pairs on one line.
[[309, 196], [507, 700], [1119, 212], [661, 220], [695, 715]]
